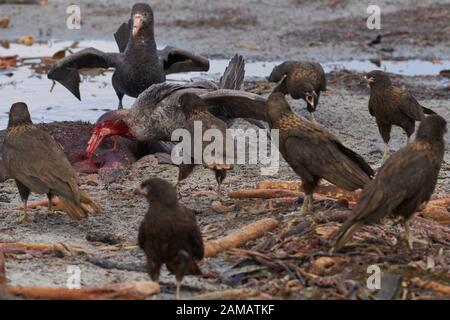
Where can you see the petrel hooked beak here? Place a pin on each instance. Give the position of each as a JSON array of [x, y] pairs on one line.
[[97, 137], [138, 20]]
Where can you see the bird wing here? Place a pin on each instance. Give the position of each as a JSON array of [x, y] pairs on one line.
[[321, 78], [195, 236], [318, 153], [141, 236], [397, 182], [156, 93], [371, 107], [122, 35], [409, 106], [235, 104], [176, 60], [218, 157], [233, 76], [38, 162], [67, 70]]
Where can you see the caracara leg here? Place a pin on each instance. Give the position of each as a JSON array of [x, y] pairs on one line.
[[219, 195], [177, 295], [25, 217], [50, 202], [24, 194], [411, 239], [220, 176], [307, 206], [408, 138], [386, 151], [309, 185], [313, 118]]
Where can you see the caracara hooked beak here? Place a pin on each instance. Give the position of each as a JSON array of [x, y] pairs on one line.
[[141, 191], [310, 98], [369, 80]]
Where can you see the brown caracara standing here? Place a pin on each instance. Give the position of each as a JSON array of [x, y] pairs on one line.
[[391, 105], [314, 153], [405, 181], [302, 80], [169, 233], [38, 164], [196, 110]]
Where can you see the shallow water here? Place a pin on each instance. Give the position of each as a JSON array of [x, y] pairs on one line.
[[98, 95]]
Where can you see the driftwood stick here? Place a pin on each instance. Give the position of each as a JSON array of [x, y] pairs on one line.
[[282, 196], [431, 285], [57, 249], [137, 290], [43, 203], [250, 232], [279, 184], [231, 294], [328, 190], [435, 212]]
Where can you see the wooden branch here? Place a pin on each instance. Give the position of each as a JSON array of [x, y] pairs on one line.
[[279, 184], [57, 205], [325, 189], [284, 197], [137, 290], [57, 249], [431, 285], [441, 200], [435, 212], [250, 232], [231, 294]]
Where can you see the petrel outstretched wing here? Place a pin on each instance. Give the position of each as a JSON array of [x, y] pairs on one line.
[[67, 70], [176, 60]]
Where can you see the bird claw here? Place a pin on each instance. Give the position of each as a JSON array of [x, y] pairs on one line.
[[411, 240], [307, 210]]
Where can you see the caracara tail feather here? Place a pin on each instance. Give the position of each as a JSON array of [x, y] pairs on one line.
[[358, 159], [90, 205], [79, 211], [74, 210], [345, 233], [428, 111]]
